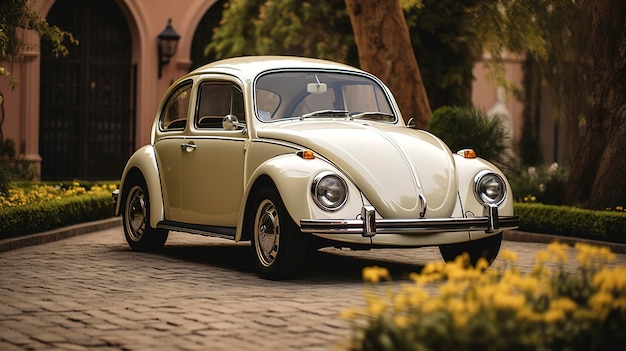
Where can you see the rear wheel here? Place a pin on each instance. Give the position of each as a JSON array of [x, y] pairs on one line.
[[278, 247], [487, 248], [136, 220]]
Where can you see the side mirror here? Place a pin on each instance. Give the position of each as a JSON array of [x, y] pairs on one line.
[[411, 123], [230, 122]]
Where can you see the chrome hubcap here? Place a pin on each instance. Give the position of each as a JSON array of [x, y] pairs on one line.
[[266, 233], [136, 216]]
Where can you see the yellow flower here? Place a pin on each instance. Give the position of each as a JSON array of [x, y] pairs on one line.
[[401, 321], [611, 280], [559, 251], [552, 316], [507, 301], [375, 274], [376, 307], [508, 255], [588, 254]]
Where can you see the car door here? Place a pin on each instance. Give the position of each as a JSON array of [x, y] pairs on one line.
[[213, 163], [169, 135]]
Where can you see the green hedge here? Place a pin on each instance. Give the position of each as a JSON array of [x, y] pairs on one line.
[[572, 222], [36, 218]]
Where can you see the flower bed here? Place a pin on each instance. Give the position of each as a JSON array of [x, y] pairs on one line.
[[499, 308], [40, 207]]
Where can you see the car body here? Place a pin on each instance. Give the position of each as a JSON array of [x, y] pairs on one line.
[[294, 153]]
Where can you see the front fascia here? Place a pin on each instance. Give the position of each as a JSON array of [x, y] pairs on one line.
[[471, 220]]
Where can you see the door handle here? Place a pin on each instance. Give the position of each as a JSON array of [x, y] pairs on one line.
[[189, 147]]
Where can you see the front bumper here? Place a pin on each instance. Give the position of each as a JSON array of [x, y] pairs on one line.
[[368, 225]]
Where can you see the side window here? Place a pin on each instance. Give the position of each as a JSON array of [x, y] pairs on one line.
[[176, 109], [215, 101]]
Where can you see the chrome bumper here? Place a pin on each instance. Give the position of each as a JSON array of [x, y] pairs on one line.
[[368, 225]]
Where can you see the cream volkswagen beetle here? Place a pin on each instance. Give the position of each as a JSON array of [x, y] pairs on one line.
[[295, 154]]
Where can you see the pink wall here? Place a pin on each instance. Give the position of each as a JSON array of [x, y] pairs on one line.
[[484, 89], [146, 20]]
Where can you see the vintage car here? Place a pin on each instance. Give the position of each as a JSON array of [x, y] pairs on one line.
[[295, 154]]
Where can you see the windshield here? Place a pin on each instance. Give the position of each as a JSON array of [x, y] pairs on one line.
[[320, 94]]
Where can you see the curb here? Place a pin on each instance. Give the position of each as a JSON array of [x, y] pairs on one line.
[[85, 228], [58, 234], [516, 235]]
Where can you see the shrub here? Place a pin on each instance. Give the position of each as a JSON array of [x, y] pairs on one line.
[[542, 184], [462, 128], [572, 222], [40, 207], [12, 168], [475, 308]]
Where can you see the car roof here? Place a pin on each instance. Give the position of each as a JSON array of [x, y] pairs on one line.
[[251, 66]]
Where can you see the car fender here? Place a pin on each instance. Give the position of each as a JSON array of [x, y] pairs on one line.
[[144, 161], [292, 176], [467, 169]]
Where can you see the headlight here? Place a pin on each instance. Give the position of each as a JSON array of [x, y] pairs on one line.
[[329, 191], [490, 188]]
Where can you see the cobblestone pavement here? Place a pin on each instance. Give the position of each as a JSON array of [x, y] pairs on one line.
[[90, 292]]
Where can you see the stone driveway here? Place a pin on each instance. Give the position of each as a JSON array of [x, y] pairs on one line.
[[90, 292]]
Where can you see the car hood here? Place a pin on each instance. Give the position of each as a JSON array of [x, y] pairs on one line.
[[391, 165]]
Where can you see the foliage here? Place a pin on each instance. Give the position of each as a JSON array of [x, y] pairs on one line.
[[507, 26], [541, 184], [16, 14], [442, 43], [551, 307], [38, 207], [287, 27], [441, 34], [462, 128], [573, 222], [12, 168]]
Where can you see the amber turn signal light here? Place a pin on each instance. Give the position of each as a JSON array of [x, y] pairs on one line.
[[467, 153], [306, 154]]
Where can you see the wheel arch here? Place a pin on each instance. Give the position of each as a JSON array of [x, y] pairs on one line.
[[291, 177], [142, 165]]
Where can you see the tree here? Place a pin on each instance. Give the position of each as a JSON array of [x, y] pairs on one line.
[[286, 27], [16, 15], [441, 34], [597, 173], [382, 39]]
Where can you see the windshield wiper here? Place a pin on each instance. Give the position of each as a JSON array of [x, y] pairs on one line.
[[374, 115], [326, 113]]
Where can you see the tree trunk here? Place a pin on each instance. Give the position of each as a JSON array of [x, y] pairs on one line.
[[385, 50], [598, 170]]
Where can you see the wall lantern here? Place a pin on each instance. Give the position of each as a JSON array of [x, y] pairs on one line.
[[168, 42]]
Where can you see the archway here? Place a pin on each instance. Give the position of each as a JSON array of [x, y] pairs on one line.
[[87, 120]]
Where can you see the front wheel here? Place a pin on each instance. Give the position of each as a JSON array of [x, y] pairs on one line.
[[486, 248], [136, 220], [278, 246]]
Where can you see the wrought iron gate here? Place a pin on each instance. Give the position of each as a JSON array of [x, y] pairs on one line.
[[87, 114]]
